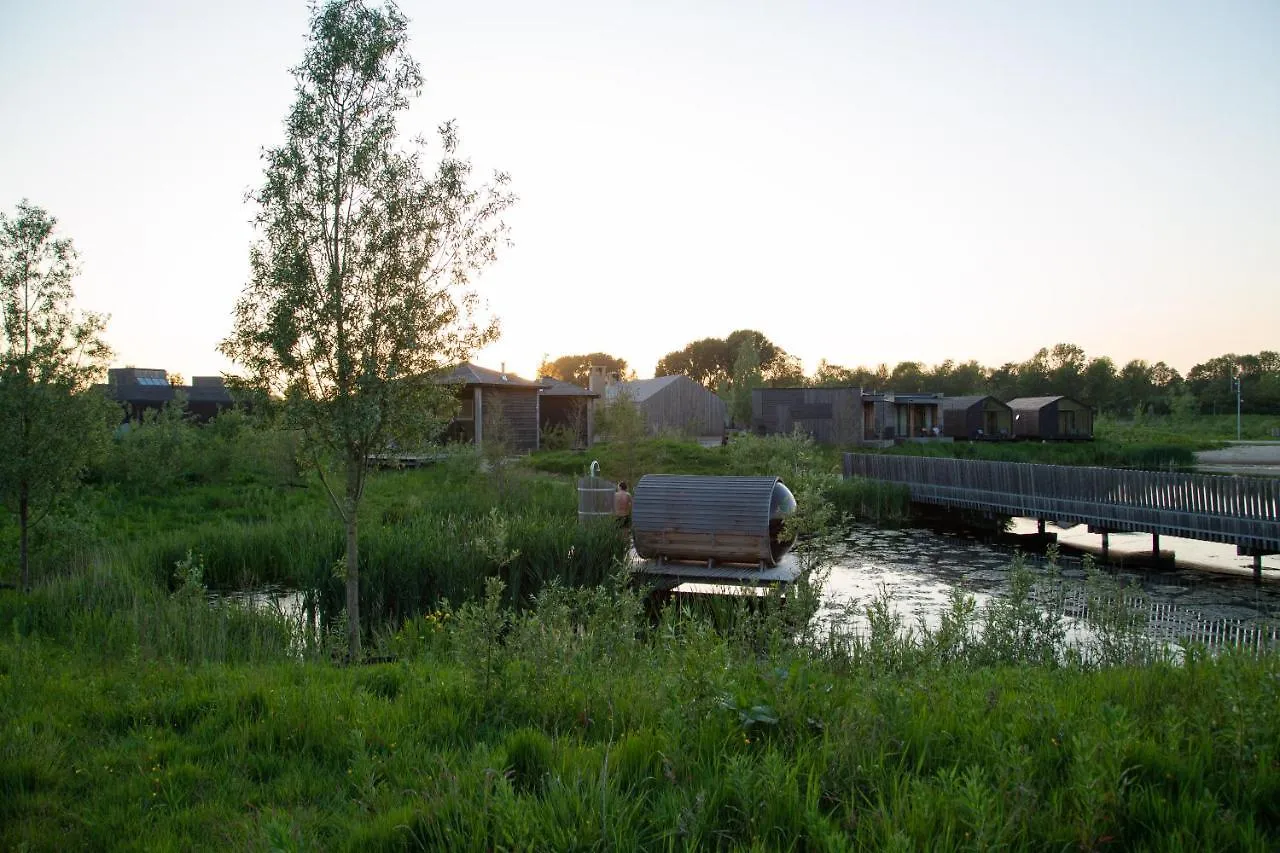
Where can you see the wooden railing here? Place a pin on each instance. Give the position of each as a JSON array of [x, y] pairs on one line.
[[1244, 511]]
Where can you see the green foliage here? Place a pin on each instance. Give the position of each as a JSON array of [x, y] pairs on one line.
[[596, 730], [1101, 452], [52, 423], [357, 297], [576, 369]]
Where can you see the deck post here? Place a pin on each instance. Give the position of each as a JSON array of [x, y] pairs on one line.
[[1106, 545], [1257, 568], [1040, 526], [1155, 547]]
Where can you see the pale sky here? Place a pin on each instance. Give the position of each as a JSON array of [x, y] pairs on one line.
[[861, 182]]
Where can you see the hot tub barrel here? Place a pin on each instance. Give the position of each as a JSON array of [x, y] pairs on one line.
[[725, 519]]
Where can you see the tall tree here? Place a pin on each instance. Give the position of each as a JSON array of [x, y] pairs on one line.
[[704, 361], [577, 368], [51, 421], [746, 377], [358, 296]]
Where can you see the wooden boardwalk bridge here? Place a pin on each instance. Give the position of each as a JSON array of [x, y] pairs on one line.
[[1243, 511]]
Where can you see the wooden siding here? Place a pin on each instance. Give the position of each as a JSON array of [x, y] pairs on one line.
[[570, 412], [1244, 511], [683, 407], [519, 415], [829, 415], [964, 418]]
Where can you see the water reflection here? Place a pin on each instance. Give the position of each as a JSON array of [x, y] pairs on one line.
[[918, 569]]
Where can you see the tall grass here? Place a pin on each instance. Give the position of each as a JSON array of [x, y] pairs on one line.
[[575, 724], [1153, 456]]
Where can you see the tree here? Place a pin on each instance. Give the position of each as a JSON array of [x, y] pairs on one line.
[[52, 422], [577, 368], [358, 295], [704, 361], [736, 390]]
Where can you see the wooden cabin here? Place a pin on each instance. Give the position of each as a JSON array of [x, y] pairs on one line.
[[672, 404], [140, 389], [1051, 418], [976, 418], [828, 415], [563, 405], [891, 416], [494, 399]]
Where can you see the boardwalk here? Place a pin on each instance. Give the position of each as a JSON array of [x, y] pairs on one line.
[[1243, 511]]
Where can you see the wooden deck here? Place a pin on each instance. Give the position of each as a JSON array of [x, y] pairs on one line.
[[1244, 511]]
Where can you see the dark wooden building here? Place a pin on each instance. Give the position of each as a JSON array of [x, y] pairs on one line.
[[563, 405], [829, 415], [494, 400], [976, 418], [140, 389], [893, 416], [1051, 418], [672, 404]]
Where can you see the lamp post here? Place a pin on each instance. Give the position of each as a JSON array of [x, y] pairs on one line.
[[1236, 381]]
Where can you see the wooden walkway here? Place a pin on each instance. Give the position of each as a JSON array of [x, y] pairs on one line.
[[1243, 511]]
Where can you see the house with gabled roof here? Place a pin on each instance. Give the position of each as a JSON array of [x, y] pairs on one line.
[[669, 404], [494, 400]]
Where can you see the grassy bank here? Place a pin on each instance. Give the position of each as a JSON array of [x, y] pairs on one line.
[[1105, 453], [525, 699], [569, 726]]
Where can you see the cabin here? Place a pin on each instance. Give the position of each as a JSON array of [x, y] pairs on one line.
[[563, 405], [976, 418], [898, 417], [143, 389], [496, 402], [830, 416], [1051, 418], [669, 404]]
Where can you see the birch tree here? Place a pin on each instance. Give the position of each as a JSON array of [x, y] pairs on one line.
[[51, 421], [360, 274]]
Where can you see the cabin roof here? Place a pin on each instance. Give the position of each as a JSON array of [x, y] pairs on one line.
[[560, 388], [473, 374], [969, 401], [640, 390]]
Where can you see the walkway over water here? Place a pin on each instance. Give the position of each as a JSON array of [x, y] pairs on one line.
[[1243, 511]]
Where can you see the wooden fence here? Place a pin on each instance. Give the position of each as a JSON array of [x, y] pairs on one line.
[[1243, 511]]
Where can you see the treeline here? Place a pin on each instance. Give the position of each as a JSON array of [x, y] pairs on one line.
[[1137, 387], [748, 358]]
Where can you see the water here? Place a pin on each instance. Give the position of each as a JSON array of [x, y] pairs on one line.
[[919, 568]]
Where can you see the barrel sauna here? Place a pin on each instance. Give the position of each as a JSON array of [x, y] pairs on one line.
[[717, 519]]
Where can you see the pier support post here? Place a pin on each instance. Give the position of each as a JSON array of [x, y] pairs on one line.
[[1106, 546], [1040, 526], [1257, 568], [1155, 547]]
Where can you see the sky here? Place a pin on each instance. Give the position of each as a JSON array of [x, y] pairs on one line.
[[863, 182]]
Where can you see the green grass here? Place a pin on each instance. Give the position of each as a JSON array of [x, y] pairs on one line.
[[1107, 453], [567, 727], [1202, 432]]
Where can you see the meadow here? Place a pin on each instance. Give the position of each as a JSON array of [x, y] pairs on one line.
[[521, 694]]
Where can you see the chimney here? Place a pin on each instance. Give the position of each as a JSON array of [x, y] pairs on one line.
[[504, 371], [596, 379]]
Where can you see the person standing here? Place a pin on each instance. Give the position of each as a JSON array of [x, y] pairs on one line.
[[622, 505]]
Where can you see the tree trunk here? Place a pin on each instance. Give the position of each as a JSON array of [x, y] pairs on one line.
[[24, 563], [353, 564]]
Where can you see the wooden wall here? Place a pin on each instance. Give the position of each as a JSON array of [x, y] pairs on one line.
[[519, 415], [684, 407], [829, 415]]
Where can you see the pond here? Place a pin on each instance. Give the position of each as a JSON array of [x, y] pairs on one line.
[[1209, 598]]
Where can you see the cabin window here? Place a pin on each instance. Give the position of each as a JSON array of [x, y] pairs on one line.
[[468, 412]]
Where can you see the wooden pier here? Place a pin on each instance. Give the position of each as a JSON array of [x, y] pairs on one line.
[[1242, 511]]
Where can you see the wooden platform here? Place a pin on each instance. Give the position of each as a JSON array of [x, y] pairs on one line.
[[667, 572]]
